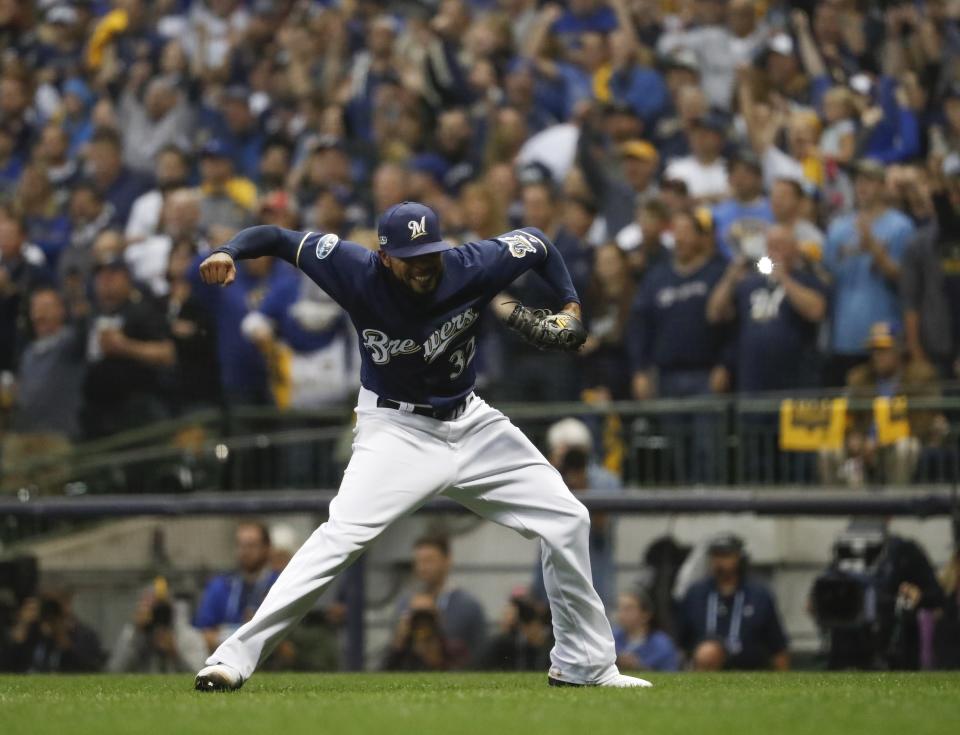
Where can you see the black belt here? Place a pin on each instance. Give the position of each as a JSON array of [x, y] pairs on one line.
[[441, 414]]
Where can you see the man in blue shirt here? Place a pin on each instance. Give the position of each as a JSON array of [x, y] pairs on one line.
[[421, 430], [672, 301], [230, 600], [863, 253], [741, 220], [728, 621]]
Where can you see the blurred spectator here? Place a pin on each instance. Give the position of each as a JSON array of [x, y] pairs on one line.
[[52, 152], [787, 198], [276, 158], [228, 199], [621, 192], [115, 182], [243, 372], [524, 638], [570, 450], [645, 241], [307, 341], [46, 223], [231, 599], [865, 456], [439, 625], [672, 300], [704, 170], [11, 158], [155, 117], [196, 379], [127, 348], [606, 309], [159, 639], [863, 254], [171, 171], [18, 279], [90, 215], [48, 638], [689, 105], [927, 322], [728, 620], [640, 644], [419, 643], [234, 124], [777, 301], [148, 258], [741, 221], [46, 421], [76, 117]]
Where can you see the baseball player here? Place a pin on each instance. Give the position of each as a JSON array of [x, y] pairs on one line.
[[421, 430]]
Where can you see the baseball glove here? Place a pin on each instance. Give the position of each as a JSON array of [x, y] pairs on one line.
[[546, 331]]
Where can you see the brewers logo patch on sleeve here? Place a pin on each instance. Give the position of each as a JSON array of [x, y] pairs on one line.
[[520, 243], [326, 245]]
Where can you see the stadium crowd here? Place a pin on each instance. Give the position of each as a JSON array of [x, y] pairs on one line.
[[770, 180]]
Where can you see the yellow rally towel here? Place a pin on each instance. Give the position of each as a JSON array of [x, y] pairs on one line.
[[890, 418], [808, 426], [107, 28]]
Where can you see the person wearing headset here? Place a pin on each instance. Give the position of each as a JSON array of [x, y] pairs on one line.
[[728, 620]]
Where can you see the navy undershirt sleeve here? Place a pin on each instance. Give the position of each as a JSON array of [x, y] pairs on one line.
[[554, 271], [264, 240]]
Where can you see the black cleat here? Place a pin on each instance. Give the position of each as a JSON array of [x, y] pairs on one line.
[[560, 683]]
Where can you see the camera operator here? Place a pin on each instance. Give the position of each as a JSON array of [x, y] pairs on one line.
[[47, 637], [869, 598], [525, 637], [456, 614], [728, 621], [159, 640], [418, 641]]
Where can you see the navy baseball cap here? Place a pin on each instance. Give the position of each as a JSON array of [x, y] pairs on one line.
[[409, 229]]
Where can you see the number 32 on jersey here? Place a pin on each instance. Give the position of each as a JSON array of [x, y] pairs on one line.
[[463, 357]]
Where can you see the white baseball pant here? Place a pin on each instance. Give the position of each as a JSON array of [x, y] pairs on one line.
[[400, 460]]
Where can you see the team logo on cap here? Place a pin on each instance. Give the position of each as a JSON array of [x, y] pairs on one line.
[[417, 229], [325, 245]]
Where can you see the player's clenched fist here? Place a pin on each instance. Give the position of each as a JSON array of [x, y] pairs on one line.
[[218, 270]]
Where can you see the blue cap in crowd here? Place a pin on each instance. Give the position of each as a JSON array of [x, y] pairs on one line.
[[409, 229], [216, 148]]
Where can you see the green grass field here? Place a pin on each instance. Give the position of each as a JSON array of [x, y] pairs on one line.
[[491, 704]]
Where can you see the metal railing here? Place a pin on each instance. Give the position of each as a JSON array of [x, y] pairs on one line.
[[710, 441]]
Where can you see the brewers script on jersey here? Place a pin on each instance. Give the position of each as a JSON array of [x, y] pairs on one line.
[[421, 431]]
